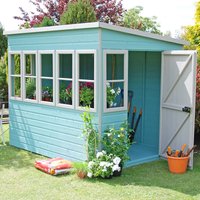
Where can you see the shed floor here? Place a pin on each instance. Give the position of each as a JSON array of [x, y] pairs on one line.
[[140, 153]]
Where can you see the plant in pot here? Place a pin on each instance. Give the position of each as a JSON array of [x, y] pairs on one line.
[[112, 93], [81, 169], [86, 94], [30, 89], [116, 142], [47, 94], [66, 94], [103, 165]]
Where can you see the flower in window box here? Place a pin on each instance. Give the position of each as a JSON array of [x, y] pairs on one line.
[[86, 94], [47, 93], [112, 93], [66, 94]]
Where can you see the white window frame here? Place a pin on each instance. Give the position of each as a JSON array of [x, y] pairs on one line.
[[59, 52], [78, 52], [40, 52], [10, 75], [30, 76], [125, 80]]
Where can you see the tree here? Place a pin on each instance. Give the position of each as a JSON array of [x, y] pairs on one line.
[[3, 42], [133, 19], [192, 34], [109, 11], [78, 12]]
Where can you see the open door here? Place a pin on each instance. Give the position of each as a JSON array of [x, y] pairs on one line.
[[178, 90]]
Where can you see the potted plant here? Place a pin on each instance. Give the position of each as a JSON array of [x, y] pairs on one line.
[[47, 93], [81, 169], [103, 165], [112, 93], [116, 142], [30, 89], [66, 94], [86, 94]]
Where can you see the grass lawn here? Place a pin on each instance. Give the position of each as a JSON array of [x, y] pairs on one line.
[[20, 180]]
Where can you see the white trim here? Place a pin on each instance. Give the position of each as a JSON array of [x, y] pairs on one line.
[[10, 53], [125, 80], [78, 52], [40, 52], [24, 76], [98, 25], [58, 52]]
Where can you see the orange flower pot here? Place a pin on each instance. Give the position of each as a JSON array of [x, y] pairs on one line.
[[177, 165]]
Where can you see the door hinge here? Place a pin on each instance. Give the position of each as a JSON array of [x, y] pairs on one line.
[[186, 109]]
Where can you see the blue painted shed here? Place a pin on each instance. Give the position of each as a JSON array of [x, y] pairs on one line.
[[46, 63]]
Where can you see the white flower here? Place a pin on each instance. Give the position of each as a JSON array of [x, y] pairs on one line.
[[90, 164], [118, 136], [104, 152], [115, 104], [99, 154], [104, 170], [118, 91], [89, 174], [109, 134], [112, 91], [102, 163], [108, 85], [116, 160], [116, 168]]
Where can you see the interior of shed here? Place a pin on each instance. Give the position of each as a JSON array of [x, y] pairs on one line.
[[144, 76]]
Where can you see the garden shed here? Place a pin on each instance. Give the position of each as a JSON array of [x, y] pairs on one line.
[[55, 71]]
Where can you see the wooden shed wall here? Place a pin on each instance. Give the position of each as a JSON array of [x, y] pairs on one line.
[[118, 40], [50, 130]]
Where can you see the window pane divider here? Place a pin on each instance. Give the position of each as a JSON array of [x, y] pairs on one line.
[[42, 77], [115, 81], [30, 76], [65, 79], [86, 80]]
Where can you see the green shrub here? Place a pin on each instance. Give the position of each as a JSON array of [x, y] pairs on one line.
[[78, 12]]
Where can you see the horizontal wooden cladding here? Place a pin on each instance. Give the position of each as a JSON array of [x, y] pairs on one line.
[[46, 149], [114, 119], [119, 40], [55, 40], [47, 130]]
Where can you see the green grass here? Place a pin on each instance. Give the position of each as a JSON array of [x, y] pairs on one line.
[[20, 180]]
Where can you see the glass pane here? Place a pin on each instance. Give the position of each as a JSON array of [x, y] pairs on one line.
[[16, 86], [86, 94], [30, 88], [65, 92], [115, 66], [86, 66], [115, 97], [30, 65], [15, 64], [47, 65], [65, 66], [47, 90]]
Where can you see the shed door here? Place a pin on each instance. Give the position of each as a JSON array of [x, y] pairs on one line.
[[177, 100]]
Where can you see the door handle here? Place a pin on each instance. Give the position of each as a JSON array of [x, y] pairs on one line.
[[186, 109]]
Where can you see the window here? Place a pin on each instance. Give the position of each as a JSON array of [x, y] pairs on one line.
[[65, 77], [115, 80], [86, 70], [30, 72], [15, 75], [46, 76]]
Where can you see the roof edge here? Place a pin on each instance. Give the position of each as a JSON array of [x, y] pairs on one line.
[[142, 33], [98, 25]]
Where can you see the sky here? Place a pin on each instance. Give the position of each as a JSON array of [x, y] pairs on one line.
[[171, 14]]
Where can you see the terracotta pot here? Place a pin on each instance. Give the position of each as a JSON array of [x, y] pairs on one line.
[[177, 165], [81, 174]]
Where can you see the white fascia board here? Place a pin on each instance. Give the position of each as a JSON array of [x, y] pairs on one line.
[[98, 25], [142, 33], [54, 28]]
